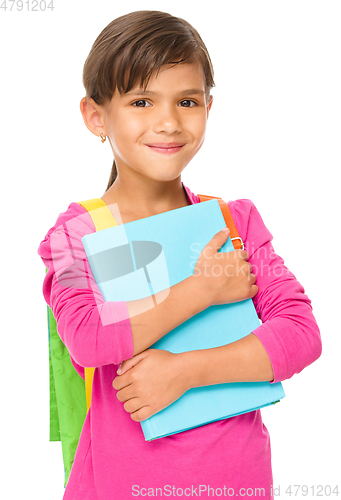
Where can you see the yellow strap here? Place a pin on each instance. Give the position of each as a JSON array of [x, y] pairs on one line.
[[102, 219], [89, 375], [100, 213]]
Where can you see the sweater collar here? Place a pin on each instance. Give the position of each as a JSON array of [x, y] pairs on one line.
[[192, 198]]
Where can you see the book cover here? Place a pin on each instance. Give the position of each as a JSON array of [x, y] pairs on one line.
[[143, 257]]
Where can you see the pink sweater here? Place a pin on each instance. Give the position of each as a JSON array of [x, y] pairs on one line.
[[113, 461]]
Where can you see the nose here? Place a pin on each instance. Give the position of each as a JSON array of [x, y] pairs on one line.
[[167, 120]]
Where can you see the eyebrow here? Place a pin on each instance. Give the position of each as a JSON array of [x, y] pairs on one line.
[[149, 92]]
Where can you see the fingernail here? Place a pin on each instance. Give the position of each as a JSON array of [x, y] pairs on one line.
[[225, 229]]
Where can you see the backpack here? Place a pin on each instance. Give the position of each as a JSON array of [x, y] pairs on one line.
[[70, 394]]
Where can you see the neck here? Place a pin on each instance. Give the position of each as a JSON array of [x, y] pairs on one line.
[[147, 197]]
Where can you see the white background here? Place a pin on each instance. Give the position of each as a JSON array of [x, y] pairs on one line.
[[273, 136]]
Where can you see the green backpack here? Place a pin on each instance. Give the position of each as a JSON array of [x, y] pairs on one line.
[[67, 397]]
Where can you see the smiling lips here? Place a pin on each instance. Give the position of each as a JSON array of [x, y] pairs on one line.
[[166, 147]]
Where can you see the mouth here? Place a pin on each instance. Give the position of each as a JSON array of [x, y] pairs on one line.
[[166, 148]]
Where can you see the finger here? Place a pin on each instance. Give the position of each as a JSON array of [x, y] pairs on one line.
[[244, 254], [240, 254], [132, 405], [142, 414], [128, 364], [126, 393], [253, 278], [254, 290], [218, 239]]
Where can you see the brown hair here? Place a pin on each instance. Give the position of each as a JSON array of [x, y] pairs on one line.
[[134, 45]]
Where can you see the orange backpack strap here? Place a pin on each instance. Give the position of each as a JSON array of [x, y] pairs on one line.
[[234, 235]]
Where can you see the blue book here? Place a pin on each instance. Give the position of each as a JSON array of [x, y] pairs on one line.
[[143, 257]]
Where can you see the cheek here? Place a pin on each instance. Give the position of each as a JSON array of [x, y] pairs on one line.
[[197, 125], [198, 129], [202, 129], [125, 132]]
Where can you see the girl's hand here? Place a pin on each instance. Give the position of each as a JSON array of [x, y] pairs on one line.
[[149, 382], [225, 276]]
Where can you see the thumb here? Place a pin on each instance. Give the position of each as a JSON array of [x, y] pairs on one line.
[[219, 239], [127, 364]]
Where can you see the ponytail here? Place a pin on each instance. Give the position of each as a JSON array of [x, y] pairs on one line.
[[113, 175]]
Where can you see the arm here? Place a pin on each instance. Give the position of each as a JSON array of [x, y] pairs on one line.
[[96, 332], [286, 342], [183, 301], [289, 338], [242, 361]]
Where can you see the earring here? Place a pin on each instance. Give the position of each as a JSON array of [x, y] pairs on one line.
[[103, 137]]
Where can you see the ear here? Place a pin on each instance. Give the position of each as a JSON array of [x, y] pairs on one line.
[[209, 105], [92, 115]]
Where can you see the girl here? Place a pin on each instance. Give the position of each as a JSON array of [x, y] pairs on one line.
[[148, 78]]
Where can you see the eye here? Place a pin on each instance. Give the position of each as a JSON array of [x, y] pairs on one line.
[[187, 101], [138, 103]]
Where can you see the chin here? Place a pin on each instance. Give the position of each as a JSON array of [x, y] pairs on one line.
[[166, 175], [166, 178]]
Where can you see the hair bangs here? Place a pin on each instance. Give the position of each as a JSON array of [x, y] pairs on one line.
[[137, 70]]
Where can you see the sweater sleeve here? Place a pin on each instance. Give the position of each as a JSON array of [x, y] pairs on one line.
[[289, 332], [95, 332]]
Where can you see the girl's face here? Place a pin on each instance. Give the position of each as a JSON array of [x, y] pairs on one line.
[[172, 111]]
